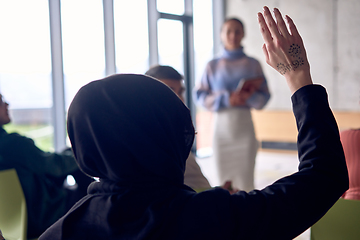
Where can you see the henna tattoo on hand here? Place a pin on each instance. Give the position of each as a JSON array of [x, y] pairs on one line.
[[282, 68], [294, 52], [297, 63]]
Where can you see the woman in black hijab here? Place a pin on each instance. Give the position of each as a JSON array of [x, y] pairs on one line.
[[134, 134]]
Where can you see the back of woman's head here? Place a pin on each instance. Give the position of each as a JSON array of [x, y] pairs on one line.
[[130, 128], [164, 72]]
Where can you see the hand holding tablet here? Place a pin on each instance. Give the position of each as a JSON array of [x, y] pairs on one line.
[[244, 90], [250, 84]]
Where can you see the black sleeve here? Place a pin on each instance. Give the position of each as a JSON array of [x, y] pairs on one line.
[[20, 151], [292, 204]]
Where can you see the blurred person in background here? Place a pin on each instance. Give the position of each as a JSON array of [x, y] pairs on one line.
[[234, 142], [42, 176], [193, 177]]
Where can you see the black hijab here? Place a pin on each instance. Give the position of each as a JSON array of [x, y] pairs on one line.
[[135, 134], [130, 129]]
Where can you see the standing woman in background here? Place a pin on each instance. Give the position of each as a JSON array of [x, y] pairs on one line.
[[234, 142]]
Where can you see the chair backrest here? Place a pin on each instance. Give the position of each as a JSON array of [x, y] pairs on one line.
[[342, 221], [13, 214]]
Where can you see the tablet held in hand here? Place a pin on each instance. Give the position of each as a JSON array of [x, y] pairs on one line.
[[250, 84]]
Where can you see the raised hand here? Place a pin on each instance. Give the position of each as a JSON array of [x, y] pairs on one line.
[[284, 50]]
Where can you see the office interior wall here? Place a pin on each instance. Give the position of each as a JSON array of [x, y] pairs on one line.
[[330, 30]]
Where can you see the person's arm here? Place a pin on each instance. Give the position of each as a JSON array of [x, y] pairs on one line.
[[292, 204], [261, 96], [24, 152], [205, 96], [60, 164], [252, 96]]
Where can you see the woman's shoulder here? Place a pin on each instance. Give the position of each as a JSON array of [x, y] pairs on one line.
[[214, 61], [252, 59]]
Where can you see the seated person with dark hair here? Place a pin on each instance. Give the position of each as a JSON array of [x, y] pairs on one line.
[[41, 175], [193, 177], [134, 134]]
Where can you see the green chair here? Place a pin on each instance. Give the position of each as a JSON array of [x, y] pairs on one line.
[[341, 222], [13, 213]]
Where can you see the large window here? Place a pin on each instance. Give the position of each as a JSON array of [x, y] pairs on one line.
[[204, 48], [83, 44], [173, 7], [131, 36], [50, 48], [25, 68], [171, 44], [203, 35]]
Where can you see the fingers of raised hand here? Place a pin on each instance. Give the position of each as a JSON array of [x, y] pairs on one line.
[[266, 54], [292, 27], [264, 29], [271, 23], [281, 24]]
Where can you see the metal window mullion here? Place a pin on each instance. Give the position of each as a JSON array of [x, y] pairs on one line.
[[109, 37], [58, 108], [153, 16], [189, 62], [188, 7], [218, 9]]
